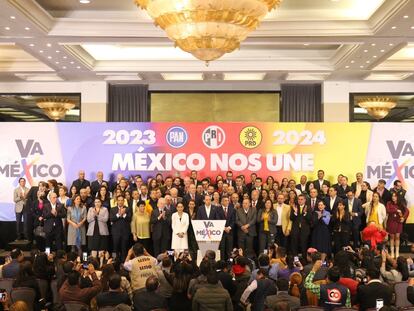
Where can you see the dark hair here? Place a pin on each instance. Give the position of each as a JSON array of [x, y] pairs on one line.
[[138, 249], [25, 271], [114, 281], [395, 182], [73, 278], [21, 178], [40, 265], [212, 278], [342, 262], [72, 256], [282, 284], [205, 267], [263, 260], [290, 262], [316, 256], [334, 274], [67, 266], [152, 283], [220, 265], [402, 267], [262, 272], [107, 272], [166, 262], [14, 254], [373, 273]]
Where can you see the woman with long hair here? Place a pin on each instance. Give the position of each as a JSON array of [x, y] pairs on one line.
[[140, 224], [216, 199], [192, 242], [103, 195], [266, 220], [285, 184], [98, 232], [375, 211], [272, 196], [321, 235], [180, 222], [76, 218], [397, 212], [269, 183], [292, 198], [38, 222], [341, 226]]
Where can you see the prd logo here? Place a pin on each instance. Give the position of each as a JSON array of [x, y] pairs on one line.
[[176, 137], [213, 137], [250, 137]]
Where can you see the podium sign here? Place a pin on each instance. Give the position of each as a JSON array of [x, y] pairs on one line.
[[208, 234]]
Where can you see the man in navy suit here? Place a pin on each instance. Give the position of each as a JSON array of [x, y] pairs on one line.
[[331, 201], [192, 195], [209, 211], [53, 213], [354, 206], [317, 184], [226, 244]]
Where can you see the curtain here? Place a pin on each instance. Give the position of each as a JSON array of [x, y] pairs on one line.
[[301, 103], [128, 103]]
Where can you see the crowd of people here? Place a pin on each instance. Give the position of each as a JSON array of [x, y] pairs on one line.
[[284, 244]]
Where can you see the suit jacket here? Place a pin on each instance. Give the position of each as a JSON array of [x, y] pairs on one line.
[[259, 204], [299, 187], [30, 199], [95, 187], [52, 221], [102, 220], [231, 183], [187, 198], [286, 222], [273, 300], [80, 184], [215, 213], [368, 294], [243, 219], [385, 197], [231, 217], [318, 187], [272, 221], [342, 192], [161, 228], [302, 221], [356, 208], [121, 225], [328, 204], [309, 203], [19, 202]]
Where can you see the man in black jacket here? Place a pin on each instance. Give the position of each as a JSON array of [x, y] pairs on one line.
[[368, 294], [53, 213], [149, 299], [120, 217], [115, 295], [81, 182]]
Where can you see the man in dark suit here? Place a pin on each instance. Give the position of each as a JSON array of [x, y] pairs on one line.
[[384, 193], [192, 195], [120, 217], [301, 224], [368, 294], [209, 211], [97, 184], [240, 188], [313, 200], [354, 206], [175, 199], [250, 185], [303, 186], [246, 227], [114, 296], [256, 202], [53, 213], [226, 244], [81, 182], [229, 179], [28, 216], [149, 299], [161, 228], [331, 201], [317, 184], [343, 188]]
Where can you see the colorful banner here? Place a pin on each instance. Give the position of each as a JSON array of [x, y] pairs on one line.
[[41, 151], [208, 230]]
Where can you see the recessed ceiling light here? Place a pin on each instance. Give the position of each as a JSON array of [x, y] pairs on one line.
[[391, 44], [72, 63], [13, 17], [365, 51], [84, 1], [50, 57], [41, 51], [49, 45], [65, 57], [352, 61], [382, 51], [64, 67], [346, 67], [361, 66], [367, 61], [78, 67], [57, 63], [373, 44], [375, 56], [31, 44], [306, 44], [26, 28], [394, 27], [412, 27], [7, 28], [57, 51], [406, 16]]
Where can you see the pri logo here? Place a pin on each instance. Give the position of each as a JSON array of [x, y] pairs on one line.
[[250, 137], [213, 137], [176, 137], [334, 295]]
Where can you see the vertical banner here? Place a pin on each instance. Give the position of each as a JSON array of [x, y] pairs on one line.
[[42, 151]]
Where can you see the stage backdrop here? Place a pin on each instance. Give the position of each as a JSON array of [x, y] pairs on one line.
[[41, 151]]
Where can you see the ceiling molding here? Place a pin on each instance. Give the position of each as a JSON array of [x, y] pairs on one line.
[[385, 13], [81, 55], [343, 53], [35, 13], [24, 66]]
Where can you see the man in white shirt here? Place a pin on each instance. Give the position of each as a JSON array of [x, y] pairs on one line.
[[19, 198]]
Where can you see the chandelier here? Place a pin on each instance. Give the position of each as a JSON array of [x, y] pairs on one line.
[[377, 107], [208, 29], [55, 108]]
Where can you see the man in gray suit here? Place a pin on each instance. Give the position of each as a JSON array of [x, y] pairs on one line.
[[19, 198], [246, 225]]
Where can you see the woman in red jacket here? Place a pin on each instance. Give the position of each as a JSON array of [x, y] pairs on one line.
[[397, 212]]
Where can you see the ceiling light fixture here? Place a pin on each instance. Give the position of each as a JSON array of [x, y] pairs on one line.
[[84, 1], [373, 44], [12, 17], [26, 28], [391, 44], [49, 45], [382, 51], [365, 51], [55, 108], [406, 16], [41, 51], [208, 29], [7, 28], [64, 57], [377, 107], [31, 44], [375, 56], [394, 27], [57, 51]]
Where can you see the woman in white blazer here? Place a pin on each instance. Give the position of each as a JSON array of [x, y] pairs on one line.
[[375, 211], [179, 223], [98, 228]]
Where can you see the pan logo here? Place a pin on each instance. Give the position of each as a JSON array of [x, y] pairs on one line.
[[213, 137], [176, 137]]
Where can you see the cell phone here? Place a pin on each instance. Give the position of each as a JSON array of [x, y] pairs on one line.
[[85, 265], [345, 248], [47, 251], [296, 259], [265, 251], [231, 260], [379, 304], [325, 263], [170, 253], [3, 296], [84, 256]]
